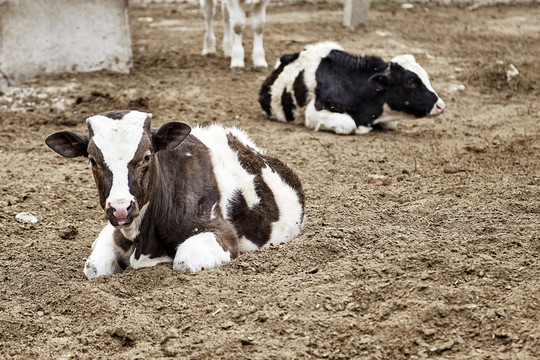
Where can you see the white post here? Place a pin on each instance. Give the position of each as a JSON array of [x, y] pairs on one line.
[[355, 12]]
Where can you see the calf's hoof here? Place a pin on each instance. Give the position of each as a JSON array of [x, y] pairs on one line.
[[93, 269]]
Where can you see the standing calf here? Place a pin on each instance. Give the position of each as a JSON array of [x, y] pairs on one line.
[[234, 22], [326, 88], [194, 197]]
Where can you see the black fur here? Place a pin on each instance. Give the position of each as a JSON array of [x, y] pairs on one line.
[[300, 90], [288, 105], [264, 95]]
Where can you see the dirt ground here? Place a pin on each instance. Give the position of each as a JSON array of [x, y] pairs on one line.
[[438, 260]]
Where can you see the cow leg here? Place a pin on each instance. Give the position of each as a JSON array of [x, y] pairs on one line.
[[227, 33], [146, 261], [326, 120], [201, 251], [258, 19], [209, 41], [389, 125], [107, 256], [238, 21]]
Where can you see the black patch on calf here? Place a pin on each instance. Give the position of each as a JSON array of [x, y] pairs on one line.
[[343, 86], [288, 105], [264, 95], [300, 90], [408, 93]]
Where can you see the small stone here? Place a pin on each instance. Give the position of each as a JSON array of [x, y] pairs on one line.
[[227, 325], [25, 217]]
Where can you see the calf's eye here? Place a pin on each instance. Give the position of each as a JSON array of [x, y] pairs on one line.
[[93, 163], [412, 83], [146, 159]]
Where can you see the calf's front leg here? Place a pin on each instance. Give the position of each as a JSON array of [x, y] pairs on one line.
[[206, 250], [109, 252], [342, 124]]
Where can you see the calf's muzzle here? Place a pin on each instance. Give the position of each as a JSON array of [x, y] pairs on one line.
[[121, 213]]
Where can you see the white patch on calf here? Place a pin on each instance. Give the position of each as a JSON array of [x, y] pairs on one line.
[[118, 141], [145, 261], [362, 130], [408, 62], [308, 61], [104, 257], [230, 175], [326, 120], [201, 251], [245, 245], [290, 210], [132, 230]]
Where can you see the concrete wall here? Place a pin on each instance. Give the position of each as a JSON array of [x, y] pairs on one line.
[[39, 37]]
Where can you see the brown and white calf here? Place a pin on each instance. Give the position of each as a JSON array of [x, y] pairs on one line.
[[234, 23], [194, 197]]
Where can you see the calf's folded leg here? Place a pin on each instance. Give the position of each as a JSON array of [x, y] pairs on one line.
[[109, 252], [205, 250]]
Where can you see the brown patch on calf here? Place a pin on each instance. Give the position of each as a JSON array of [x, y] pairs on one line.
[[254, 223], [121, 241]]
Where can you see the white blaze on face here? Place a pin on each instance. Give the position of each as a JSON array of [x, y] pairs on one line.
[[408, 62], [118, 141]]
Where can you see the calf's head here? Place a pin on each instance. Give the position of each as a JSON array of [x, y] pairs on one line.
[[408, 88], [121, 148]]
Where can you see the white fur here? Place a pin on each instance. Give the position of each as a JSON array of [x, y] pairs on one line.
[[361, 130], [230, 175], [118, 141], [201, 251], [234, 23], [308, 60], [326, 120], [132, 230], [245, 245], [145, 261], [105, 255], [290, 210]]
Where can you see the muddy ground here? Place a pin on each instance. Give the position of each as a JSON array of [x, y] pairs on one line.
[[440, 260]]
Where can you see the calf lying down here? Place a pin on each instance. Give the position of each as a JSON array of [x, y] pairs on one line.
[[194, 197], [326, 88]]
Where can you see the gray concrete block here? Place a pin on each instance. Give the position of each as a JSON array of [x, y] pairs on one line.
[[58, 36], [355, 12]]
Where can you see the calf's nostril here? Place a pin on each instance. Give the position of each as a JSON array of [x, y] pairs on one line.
[[130, 207]]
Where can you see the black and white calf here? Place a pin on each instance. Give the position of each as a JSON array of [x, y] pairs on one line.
[[194, 197], [326, 88], [234, 23]]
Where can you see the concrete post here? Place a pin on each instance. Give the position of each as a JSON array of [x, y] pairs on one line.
[[355, 12], [51, 37]]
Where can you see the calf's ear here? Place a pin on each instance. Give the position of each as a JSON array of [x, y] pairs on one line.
[[68, 144], [379, 81], [170, 135]]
